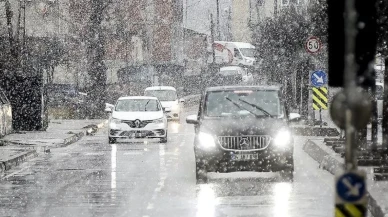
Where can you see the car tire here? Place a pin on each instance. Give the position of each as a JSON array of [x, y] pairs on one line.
[[111, 140], [288, 171], [164, 139], [200, 172]]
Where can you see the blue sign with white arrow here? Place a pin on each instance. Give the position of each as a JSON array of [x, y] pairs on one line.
[[351, 187], [319, 78]]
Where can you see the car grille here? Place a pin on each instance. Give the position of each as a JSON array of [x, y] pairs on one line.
[[244, 142], [142, 124]]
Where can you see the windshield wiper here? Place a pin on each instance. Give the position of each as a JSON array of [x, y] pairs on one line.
[[242, 107], [145, 106], [257, 107]]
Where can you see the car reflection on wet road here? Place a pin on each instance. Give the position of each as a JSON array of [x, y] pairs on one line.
[[146, 178]]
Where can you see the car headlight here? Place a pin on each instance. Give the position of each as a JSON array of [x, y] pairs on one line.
[[175, 107], [282, 138], [158, 121], [115, 121], [206, 140]]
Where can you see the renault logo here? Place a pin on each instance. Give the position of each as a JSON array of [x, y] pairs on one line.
[[137, 123], [244, 143]]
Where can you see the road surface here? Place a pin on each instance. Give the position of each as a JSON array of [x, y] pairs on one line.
[[93, 178]]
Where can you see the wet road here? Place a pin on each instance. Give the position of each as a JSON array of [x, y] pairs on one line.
[[93, 178]]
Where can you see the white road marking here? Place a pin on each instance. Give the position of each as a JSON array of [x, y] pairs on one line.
[[14, 173], [132, 153], [94, 154]]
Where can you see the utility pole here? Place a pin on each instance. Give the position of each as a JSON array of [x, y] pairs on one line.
[[385, 105], [218, 20], [212, 37]]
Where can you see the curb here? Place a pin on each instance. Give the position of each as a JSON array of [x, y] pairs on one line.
[[333, 166], [25, 156], [89, 130], [314, 131]]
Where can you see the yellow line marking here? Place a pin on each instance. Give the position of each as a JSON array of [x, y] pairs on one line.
[[338, 213], [353, 210], [320, 94], [324, 89], [315, 107], [323, 106]]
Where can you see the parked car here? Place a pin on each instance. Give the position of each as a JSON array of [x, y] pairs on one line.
[[137, 117], [243, 128]]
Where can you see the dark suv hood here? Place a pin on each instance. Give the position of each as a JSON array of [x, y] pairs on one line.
[[242, 126]]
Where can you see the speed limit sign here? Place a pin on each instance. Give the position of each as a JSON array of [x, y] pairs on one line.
[[313, 45]]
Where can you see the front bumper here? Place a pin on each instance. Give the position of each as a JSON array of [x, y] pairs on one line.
[[151, 130], [270, 159]]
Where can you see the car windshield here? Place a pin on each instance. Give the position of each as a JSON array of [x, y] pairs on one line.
[[235, 103], [162, 95], [137, 105], [248, 52]]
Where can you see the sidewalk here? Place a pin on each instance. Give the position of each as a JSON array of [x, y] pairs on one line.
[[333, 163], [21, 146]]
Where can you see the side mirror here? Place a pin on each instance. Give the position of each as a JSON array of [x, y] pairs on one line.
[[192, 119], [181, 100], [294, 117], [109, 107]]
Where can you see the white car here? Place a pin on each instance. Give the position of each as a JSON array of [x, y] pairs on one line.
[[168, 97], [246, 77], [137, 117]]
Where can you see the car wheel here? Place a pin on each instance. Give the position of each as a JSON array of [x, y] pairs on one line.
[[288, 171], [164, 139], [200, 173], [111, 140]]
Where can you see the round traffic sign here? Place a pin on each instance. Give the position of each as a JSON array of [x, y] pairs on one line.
[[361, 105], [313, 45], [351, 187], [319, 78]]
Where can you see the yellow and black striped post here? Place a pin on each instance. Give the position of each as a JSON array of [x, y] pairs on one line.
[[350, 210], [320, 101], [351, 196]]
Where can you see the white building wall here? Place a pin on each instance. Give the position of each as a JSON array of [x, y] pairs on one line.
[[241, 13]]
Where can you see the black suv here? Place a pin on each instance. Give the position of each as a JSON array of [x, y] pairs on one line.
[[243, 129]]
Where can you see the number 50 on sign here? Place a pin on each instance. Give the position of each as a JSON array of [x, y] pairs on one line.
[[313, 45]]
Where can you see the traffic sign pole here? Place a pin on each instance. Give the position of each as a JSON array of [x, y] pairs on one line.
[[351, 200]]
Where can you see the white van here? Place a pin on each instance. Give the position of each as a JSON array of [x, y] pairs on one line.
[[234, 53], [168, 97]]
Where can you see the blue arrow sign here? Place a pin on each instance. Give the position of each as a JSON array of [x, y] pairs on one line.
[[351, 187], [318, 78]]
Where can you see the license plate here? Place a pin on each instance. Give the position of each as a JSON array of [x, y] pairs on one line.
[[139, 135], [245, 157]]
